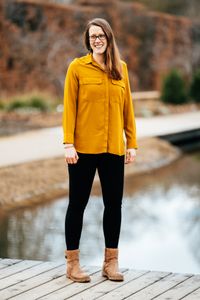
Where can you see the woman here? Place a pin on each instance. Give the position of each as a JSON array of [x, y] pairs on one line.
[[97, 110]]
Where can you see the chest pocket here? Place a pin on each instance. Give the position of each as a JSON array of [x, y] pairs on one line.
[[91, 89], [117, 90]]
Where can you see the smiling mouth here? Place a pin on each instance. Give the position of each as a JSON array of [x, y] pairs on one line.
[[98, 46]]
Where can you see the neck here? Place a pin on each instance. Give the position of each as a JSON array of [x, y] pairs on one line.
[[99, 58]]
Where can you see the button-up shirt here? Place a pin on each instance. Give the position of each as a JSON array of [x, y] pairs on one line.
[[98, 110]]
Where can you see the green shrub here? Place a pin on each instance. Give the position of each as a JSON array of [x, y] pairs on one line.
[[38, 103], [2, 105], [35, 103], [173, 89], [195, 87], [17, 104]]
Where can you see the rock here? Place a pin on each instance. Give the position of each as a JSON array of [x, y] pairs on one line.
[[39, 40]]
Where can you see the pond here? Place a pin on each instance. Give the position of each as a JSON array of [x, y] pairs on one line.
[[160, 223]]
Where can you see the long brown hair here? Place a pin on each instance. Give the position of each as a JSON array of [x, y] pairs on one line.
[[112, 56]]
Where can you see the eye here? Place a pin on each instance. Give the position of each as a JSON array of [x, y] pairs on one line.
[[93, 37]]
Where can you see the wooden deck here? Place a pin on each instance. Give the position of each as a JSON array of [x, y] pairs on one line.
[[27, 279]]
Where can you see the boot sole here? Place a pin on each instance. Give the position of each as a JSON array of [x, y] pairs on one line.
[[112, 278], [79, 280]]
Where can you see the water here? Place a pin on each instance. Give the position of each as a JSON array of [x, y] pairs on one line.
[[160, 225]]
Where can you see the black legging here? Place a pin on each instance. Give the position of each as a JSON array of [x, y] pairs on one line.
[[81, 175]]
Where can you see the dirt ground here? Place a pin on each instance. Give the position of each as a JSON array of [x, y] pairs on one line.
[[148, 108], [39, 181], [15, 122]]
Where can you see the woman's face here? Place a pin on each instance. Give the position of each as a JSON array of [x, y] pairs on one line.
[[98, 41]]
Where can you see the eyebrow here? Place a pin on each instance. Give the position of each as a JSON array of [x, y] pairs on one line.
[[97, 34]]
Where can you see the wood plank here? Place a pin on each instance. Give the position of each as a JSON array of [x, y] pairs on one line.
[[26, 274], [182, 289], [160, 286], [18, 267], [106, 286], [193, 296], [133, 286], [76, 288], [47, 288], [6, 262], [18, 289], [47, 281]]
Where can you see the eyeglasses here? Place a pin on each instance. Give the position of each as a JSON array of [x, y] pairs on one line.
[[101, 37]]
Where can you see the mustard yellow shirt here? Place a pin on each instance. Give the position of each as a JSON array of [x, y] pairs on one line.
[[97, 109]]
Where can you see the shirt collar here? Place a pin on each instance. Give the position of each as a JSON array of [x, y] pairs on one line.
[[88, 59]]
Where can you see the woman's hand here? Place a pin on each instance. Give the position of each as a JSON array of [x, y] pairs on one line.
[[71, 156], [130, 155]]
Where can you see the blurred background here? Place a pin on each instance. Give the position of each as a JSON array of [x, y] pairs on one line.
[[160, 42]]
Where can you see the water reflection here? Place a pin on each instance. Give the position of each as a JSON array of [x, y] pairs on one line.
[[160, 226]]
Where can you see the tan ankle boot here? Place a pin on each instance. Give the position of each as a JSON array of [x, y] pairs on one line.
[[110, 265], [74, 271]]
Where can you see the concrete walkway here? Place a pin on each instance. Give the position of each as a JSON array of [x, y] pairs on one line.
[[47, 143]]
